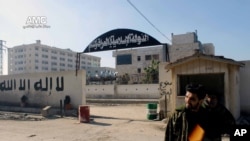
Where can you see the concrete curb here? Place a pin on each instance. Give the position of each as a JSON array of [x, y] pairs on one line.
[[54, 110], [123, 101]]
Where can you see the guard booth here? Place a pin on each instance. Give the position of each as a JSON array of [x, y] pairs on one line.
[[216, 73]]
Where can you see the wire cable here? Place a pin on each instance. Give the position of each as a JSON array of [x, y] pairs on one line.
[[147, 20]]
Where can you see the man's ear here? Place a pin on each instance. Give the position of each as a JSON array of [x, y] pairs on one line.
[[201, 101]]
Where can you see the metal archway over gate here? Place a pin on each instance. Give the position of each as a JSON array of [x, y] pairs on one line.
[[118, 39], [121, 39]]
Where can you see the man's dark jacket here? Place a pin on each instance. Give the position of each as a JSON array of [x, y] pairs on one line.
[[181, 123]]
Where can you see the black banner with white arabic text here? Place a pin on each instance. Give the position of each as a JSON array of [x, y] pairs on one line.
[[121, 39]]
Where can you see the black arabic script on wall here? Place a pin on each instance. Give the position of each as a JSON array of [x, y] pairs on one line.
[[25, 84], [165, 88]]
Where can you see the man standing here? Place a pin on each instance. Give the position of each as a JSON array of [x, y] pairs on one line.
[[188, 122], [221, 121]]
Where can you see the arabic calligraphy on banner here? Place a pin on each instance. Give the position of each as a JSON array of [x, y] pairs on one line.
[[25, 84], [121, 39], [113, 41]]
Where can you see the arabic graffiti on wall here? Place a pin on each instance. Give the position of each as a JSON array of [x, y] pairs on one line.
[[25, 84], [165, 88]]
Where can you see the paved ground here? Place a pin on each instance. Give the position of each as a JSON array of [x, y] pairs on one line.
[[125, 122]]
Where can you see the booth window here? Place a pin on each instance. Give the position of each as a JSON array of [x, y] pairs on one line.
[[213, 82]]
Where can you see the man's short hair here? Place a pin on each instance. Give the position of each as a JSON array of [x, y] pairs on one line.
[[213, 93], [196, 89]]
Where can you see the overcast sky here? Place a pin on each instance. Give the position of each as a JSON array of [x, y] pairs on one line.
[[75, 23]]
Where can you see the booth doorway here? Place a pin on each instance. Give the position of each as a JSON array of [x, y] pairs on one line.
[[212, 82]]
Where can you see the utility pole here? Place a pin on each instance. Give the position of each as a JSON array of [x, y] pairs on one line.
[[1, 55]]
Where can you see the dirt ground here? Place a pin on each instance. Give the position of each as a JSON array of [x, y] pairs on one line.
[[126, 122]]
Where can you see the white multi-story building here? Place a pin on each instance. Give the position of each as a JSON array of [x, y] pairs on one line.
[[133, 61], [184, 45], [37, 57]]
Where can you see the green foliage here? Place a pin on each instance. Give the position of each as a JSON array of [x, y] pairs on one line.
[[152, 72], [123, 79]]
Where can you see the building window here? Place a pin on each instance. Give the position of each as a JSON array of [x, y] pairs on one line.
[[20, 50], [124, 59], [20, 56], [53, 63], [62, 59], [54, 57], [156, 56], [45, 68], [45, 50], [139, 70], [20, 68], [148, 57], [45, 62], [44, 56], [54, 69], [54, 52], [62, 64], [62, 53], [138, 58]]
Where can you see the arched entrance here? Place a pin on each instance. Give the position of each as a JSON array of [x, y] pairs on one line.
[[119, 39]]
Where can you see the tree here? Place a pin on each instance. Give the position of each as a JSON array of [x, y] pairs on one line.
[[152, 72], [123, 79]]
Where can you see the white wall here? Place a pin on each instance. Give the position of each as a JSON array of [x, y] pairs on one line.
[[178, 51], [184, 38], [244, 87], [138, 91], [167, 99], [99, 91], [146, 91], [43, 88]]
